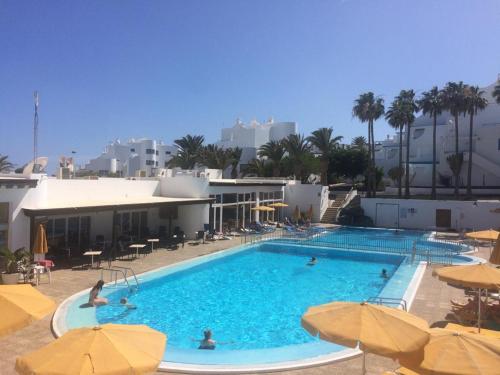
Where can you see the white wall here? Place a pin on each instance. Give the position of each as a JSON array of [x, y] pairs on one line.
[[191, 219], [421, 214], [303, 195], [184, 186], [96, 190]]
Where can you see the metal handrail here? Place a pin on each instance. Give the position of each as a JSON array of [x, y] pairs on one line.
[[126, 272], [114, 272], [388, 300]]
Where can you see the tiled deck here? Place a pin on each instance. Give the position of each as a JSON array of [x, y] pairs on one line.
[[431, 303]]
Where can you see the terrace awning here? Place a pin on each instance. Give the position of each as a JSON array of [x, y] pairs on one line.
[[81, 206]]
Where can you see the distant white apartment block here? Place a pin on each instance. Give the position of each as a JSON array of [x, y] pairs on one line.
[[250, 137], [485, 148], [133, 158]]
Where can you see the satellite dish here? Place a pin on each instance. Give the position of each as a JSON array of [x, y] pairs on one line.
[[37, 166]]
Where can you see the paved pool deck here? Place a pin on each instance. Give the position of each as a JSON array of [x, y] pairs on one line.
[[432, 302]]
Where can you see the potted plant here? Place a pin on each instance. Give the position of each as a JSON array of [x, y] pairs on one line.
[[14, 263]]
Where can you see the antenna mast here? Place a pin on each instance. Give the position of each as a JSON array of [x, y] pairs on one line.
[[35, 129]]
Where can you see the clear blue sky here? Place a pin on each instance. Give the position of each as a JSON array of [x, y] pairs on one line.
[[162, 69]]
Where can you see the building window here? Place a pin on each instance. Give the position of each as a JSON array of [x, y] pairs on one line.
[[132, 150], [166, 164], [4, 223], [150, 151], [498, 144], [167, 152], [417, 133], [156, 163], [157, 152], [150, 162]]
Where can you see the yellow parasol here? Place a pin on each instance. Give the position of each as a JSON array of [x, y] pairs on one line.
[[108, 349], [278, 204], [20, 305], [262, 208], [495, 254], [378, 329], [479, 276], [484, 235], [40, 245], [456, 353]]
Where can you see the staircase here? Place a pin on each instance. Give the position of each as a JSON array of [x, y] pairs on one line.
[[330, 215]]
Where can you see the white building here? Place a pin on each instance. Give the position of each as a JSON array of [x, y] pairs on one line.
[[250, 137], [133, 157], [76, 212], [485, 146]]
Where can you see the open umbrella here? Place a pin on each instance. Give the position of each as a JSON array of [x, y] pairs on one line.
[[378, 329], [108, 349], [279, 205], [484, 235], [480, 276], [20, 305], [310, 212], [296, 214], [495, 254], [455, 353]]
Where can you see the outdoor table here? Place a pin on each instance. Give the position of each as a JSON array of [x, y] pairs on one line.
[[152, 241], [137, 246], [37, 271], [91, 254]]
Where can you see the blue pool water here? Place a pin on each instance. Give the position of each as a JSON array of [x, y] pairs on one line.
[[253, 299], [388, 239]]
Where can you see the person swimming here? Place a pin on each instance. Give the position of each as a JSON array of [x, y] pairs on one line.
[[94, 299], [207, 343], [312, 261], [124, 302], [384, 274]]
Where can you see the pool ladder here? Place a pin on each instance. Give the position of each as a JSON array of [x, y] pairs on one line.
[[124, 272], [399, 302]]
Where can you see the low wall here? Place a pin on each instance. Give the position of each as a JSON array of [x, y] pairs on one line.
[[421, 214], [305, 195]]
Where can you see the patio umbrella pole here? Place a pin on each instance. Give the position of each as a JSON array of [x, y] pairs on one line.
[[363, 369], [479, 310]]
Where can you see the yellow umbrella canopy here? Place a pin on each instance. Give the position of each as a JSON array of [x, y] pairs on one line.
[[40, 245], [20, 305], [108, 349], [278, 204], [476, 276], [262, 208], [379, 329], [485, 235], [495, 255], [457, 353]]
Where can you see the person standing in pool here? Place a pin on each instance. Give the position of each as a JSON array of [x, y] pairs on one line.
[[94, 298], [312, 262], [384, 274], [207, 342]]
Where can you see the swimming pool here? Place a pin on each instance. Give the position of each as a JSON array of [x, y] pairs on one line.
[[252, 298]]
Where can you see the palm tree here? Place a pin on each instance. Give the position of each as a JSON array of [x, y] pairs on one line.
[[474, 102], [454, 102], [368, 108], [274, 152], [298, 148], [396, 118], [235, 157], [5, 164], [323, 141], [409, 108], [214, 157], [188, 154], [496, 93], [431, 103], [256, 167], [359, 142]]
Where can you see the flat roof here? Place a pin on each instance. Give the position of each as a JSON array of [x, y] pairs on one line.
[[246, 182], [79, 206]]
